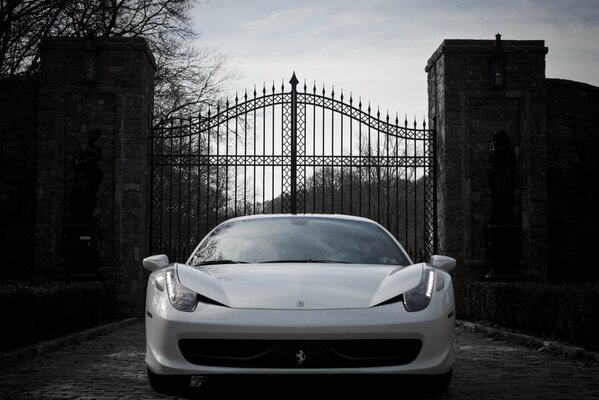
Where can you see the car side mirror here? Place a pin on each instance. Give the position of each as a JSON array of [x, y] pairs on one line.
[[153, 263], [444, 263]]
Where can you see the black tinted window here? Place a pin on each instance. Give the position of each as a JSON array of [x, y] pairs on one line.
[[301, 239]]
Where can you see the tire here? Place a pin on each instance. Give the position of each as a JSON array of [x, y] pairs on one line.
[[439, 383], [168, 383]]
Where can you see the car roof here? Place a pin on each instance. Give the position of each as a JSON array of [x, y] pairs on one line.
[[327, 216]]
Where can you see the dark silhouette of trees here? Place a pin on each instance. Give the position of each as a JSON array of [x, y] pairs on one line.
[[378, 193], [187, 79]]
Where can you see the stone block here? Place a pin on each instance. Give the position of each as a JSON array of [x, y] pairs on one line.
[[132, 199], [132, 227], [133, 239]]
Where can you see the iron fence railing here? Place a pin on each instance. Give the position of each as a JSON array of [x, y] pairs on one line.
[[290, 152]]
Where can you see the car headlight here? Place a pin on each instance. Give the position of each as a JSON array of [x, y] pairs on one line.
[[159, 281], [182, 298], [419, 298]]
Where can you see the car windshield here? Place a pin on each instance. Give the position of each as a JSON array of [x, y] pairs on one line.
[[299, 239]]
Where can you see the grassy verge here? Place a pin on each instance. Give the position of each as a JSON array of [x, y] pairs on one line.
[[31, 313], [567, 312]]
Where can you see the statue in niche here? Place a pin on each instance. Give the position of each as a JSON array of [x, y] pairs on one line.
[[502, 176], [87, 178]]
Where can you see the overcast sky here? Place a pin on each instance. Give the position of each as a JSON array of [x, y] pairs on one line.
[[378, 49]]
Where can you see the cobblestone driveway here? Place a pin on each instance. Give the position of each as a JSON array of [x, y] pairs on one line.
[[111, 367]]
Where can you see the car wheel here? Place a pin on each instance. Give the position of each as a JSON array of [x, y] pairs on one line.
[[439, 383], [168, 383]]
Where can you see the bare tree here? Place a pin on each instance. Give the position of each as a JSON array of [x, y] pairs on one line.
[[187, 79]]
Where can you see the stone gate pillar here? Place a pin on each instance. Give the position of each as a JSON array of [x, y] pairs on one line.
[[106, 85], [475, 88]]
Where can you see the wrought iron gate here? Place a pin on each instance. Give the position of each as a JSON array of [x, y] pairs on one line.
[[298, 151]]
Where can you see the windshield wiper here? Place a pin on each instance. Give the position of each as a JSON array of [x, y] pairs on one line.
[[215, 262], [307, 260]]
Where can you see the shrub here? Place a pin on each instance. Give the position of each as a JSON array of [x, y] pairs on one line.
[[565, 311], [35, 312]]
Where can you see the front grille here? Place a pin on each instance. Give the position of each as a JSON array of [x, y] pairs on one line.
[[300, 353]]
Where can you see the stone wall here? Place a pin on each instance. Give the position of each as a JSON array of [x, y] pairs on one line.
[[18, 116], [467, 111], [553, 124], [90, 84], [572, 176]]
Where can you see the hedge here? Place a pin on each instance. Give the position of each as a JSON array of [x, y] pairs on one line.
[[567, 312], [32, 313]]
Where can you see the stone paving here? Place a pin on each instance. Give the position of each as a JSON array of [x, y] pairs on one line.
[[112, 367]]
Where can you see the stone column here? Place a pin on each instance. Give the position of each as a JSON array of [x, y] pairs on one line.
[[469, 106], [104, 84]]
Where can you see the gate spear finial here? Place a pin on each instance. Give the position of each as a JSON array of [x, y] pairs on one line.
[[294, 81]]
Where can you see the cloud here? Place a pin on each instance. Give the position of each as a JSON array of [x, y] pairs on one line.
[[378, 49]]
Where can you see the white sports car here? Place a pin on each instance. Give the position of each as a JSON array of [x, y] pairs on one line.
[[298, 294]]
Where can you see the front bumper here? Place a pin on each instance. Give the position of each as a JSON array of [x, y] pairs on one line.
[[165, 326]]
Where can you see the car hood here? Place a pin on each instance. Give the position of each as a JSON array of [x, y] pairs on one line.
[[299, 285]]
